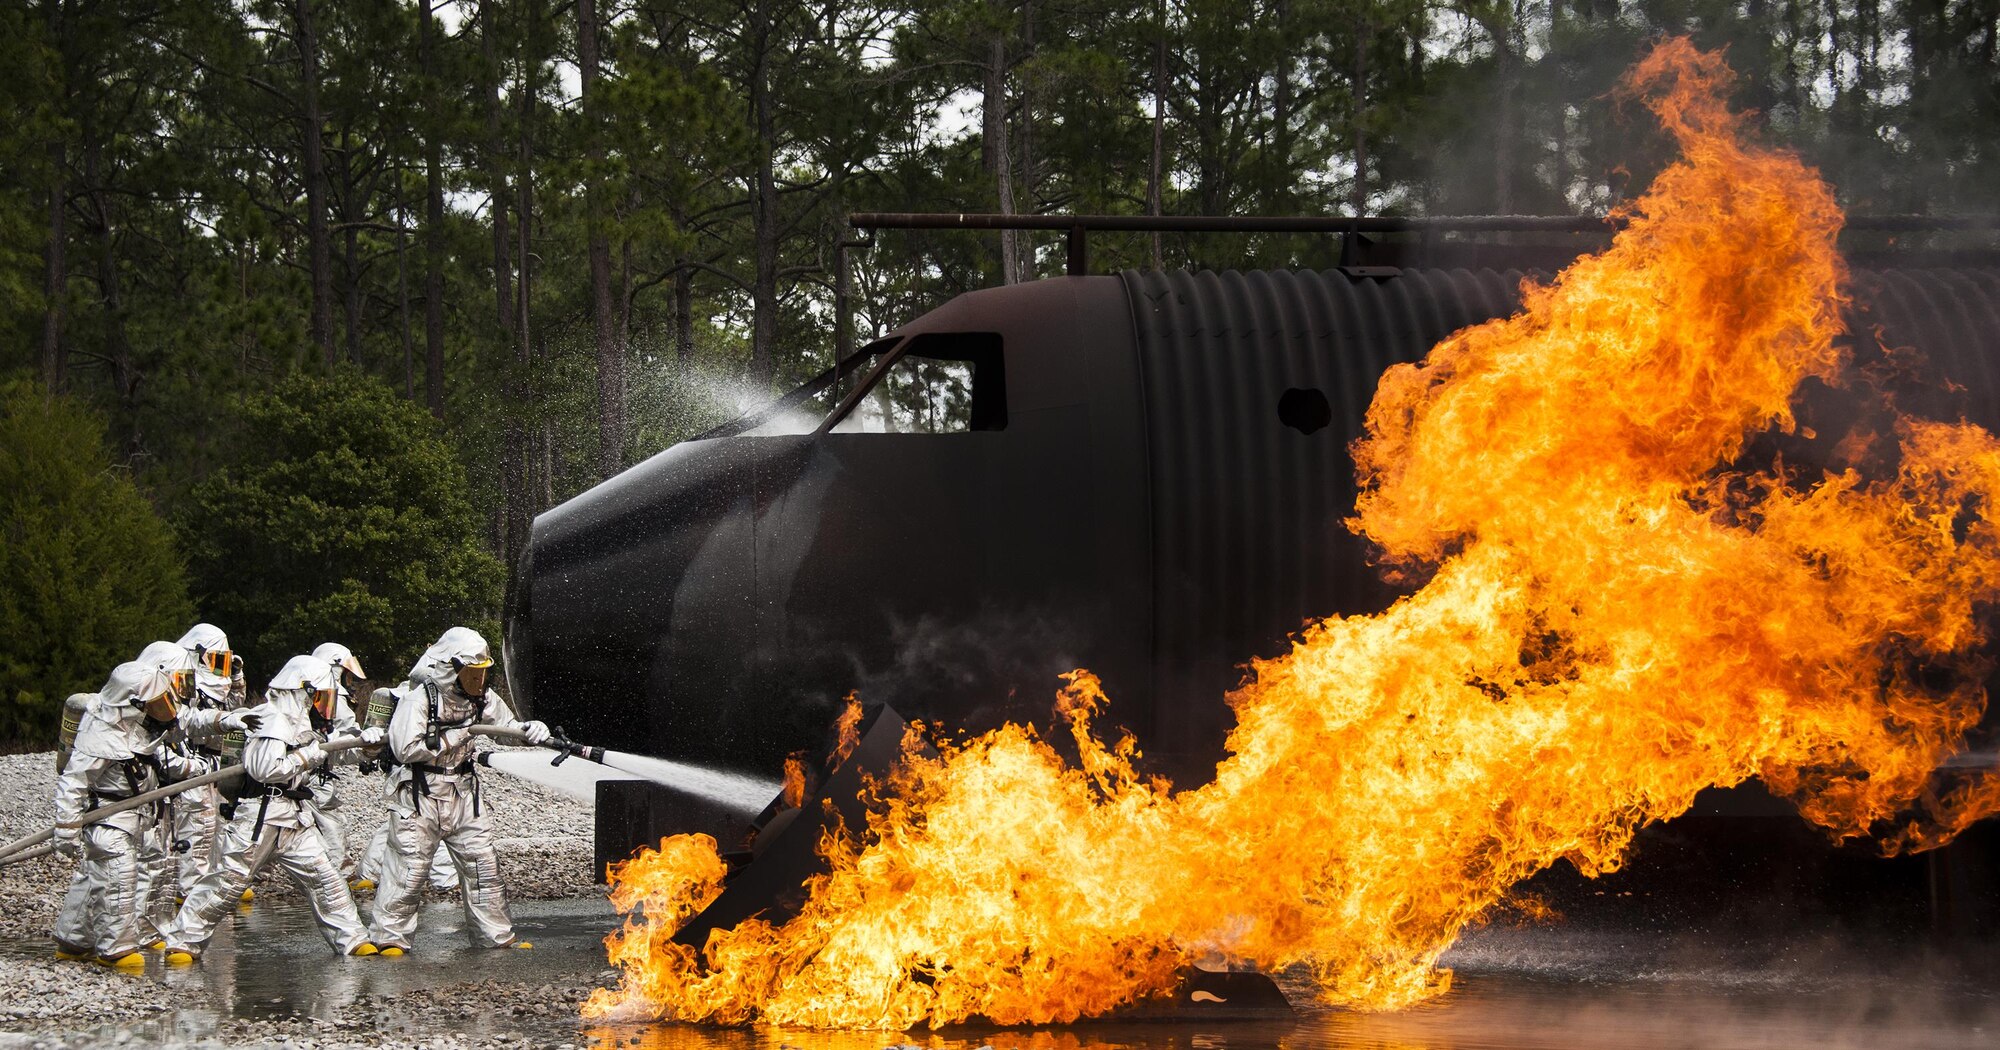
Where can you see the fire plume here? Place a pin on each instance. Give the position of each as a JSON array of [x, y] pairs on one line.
[[1623, 601]]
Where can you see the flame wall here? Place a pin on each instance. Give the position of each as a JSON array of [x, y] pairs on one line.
[[1633, 579]]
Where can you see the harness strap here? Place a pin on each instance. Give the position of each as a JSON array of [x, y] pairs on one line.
[[457, 771]]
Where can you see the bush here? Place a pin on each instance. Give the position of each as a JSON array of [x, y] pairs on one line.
[[88, 571], [342, 515]]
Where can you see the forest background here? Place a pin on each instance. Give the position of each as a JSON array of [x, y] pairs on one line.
[[307, 308]]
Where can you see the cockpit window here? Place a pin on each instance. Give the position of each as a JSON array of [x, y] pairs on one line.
[[938, 383], [804, 409]]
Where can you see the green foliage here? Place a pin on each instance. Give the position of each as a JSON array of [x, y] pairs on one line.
[[721, 147], [88, 572], [342, 515]]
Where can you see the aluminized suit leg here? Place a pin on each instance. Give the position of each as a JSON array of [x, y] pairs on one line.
[[112, 857], [487, 921], [198, 822], [334, 834], [370, 865], [218, 892], [444, 870], [156, 879], [413, 841], [444, 873], [302, 853], [72, 921]]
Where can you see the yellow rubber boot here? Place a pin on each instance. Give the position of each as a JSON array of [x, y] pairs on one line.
[[390, 952], [522, 944], [131, 962], [360, 885], [249, 895], [364, 950], [180, 957], [66, 955]]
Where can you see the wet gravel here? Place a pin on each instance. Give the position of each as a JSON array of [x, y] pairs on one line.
[[457, 1017], [544, 839]]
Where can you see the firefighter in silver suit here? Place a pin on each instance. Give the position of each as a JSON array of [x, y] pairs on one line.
[[326, 796], [187, 837], [218, 690], [434, 793], [274, 819], [120, 752]]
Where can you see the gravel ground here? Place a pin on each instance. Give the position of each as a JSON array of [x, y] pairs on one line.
[[545, 853]]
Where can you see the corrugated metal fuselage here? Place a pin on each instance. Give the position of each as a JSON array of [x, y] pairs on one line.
[[1148, 512]]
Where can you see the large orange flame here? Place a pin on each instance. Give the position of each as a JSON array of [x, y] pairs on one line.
[[1615, 613]]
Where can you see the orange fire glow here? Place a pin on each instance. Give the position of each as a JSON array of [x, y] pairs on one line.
[[1614, 613], [847, 730]]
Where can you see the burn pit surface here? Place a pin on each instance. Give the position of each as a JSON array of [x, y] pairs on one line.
[[1561, 988], [1692, 982]]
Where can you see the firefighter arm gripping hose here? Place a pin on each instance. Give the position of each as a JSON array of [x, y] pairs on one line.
[[557, 742], [23, 848]]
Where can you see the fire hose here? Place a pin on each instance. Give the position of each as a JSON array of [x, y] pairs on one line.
[[25, 848]]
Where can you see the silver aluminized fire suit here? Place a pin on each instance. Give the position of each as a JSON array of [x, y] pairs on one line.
[[274, 821], [444, 873], [326, 796], [434, 794], [368, 870], [197, 814], [119, 752]]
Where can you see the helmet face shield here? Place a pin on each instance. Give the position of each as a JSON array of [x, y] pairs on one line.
[[162, 708], [323, 701], [214, 661], [183, 684], [472, 678], [473, 675]]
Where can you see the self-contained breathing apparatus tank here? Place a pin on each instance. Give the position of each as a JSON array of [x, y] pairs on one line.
[[72, 721], [381, 708]]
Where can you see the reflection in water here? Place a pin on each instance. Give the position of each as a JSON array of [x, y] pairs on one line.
[[1550, 989], [1562, 988], [1092, 1036], [271, 962], [1491, 1012]]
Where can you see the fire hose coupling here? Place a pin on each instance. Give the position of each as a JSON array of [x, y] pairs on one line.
[[565, 747]]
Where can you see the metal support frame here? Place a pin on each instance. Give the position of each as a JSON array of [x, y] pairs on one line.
[[1353, 230], [1077, 227], [843, 312]]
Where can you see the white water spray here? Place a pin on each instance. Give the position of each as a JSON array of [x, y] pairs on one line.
[[742, 793]]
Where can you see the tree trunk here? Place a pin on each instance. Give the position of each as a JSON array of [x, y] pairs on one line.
[[684, 318], [625, 289], [352, 304], [403, 294], [1507, 127], [55, 273], [117, 344], [520, 472], [1281, 110], [683, 295], [496, 176], [763, 206], [319, 250], [1153, 186], [610, 348], [1024, 194], [434, 225], [54, 360], [1358, 200], [993, 112]]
